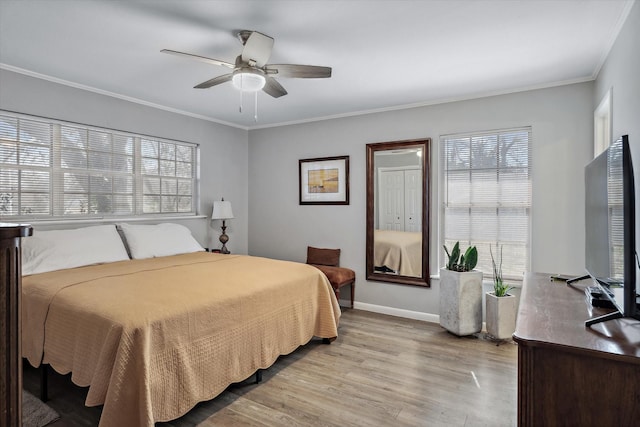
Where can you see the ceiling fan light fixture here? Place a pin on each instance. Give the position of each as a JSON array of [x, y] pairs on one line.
[[248, 81]]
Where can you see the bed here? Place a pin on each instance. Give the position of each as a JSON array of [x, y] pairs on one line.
[[152, 337], [398, 252]]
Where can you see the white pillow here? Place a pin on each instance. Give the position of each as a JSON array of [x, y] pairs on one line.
[[148, 241], [60, 249]]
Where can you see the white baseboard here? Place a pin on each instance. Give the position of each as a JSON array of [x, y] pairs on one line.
[[398, 312]]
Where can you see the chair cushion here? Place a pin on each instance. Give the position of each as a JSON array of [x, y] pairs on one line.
[[338, 276], [319, 256]]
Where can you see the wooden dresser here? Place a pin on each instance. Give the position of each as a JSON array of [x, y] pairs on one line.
[[570, 375], [10, 355]]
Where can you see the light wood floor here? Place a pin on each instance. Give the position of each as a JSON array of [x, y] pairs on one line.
[[381, 371]]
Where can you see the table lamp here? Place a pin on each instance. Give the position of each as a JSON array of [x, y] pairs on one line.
[[222, 210]]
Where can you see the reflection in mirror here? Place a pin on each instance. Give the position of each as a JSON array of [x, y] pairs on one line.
[[397, 211], [397, 236]]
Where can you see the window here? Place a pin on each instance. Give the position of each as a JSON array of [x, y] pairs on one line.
[[52, 169], [487, 196], [602, 125]]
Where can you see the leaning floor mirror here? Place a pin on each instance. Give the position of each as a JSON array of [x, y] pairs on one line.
[[397, 212]]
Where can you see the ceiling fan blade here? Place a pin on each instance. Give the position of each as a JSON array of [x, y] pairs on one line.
[[214, 81], [273, 88], [199, 58], [257, 48], [299, 71]]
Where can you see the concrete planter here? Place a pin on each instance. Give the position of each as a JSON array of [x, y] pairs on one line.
[[501, 315], [461, 301]]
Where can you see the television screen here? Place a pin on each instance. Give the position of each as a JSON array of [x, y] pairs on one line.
[[610, 227], [597, 218]]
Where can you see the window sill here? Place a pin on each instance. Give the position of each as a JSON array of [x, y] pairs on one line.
[[516, 283]]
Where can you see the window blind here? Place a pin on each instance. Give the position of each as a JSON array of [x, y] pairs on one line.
[[25, 172], [52, 169], [487, 196], [166, 175]]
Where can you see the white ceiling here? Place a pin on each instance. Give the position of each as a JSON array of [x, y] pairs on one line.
[[384, 54]]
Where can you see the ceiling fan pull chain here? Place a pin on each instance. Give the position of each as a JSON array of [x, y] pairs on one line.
[[255, 108], [241, 95]]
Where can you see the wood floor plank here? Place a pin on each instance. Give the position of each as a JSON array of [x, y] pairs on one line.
[[380, 371]]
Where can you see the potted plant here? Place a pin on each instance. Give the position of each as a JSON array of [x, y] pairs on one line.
[[461, 292], [501, 306]]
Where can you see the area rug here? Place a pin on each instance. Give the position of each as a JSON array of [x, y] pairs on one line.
[[36, 413]]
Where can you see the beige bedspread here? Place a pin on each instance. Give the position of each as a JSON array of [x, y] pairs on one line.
[[151, 338], [401, 251]]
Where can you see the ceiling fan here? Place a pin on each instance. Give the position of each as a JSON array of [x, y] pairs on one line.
[[251, 72]]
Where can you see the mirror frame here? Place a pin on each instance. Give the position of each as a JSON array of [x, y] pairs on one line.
[[373, 148]]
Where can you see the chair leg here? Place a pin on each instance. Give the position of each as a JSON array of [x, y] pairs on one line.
[[353, 292], [337, 291]]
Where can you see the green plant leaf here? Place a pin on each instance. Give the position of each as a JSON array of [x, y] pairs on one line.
[[500, 289], [448, 256], [461, 262], [455, 255], [470, 258]]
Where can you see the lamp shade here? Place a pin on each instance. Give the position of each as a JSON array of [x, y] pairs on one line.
[[221, 210]]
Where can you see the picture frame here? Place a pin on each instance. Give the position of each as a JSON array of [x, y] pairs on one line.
[[324, 181]]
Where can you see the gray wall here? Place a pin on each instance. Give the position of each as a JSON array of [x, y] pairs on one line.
[[562, 122], [621, 74], [223, 149]]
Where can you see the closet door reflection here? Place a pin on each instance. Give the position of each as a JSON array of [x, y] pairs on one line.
[[397, 209], [399, 194]]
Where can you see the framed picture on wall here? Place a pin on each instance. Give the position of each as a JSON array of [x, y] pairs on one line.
[[324, 181]]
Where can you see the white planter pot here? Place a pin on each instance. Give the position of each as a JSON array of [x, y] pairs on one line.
[[501, 315], [461, 301]]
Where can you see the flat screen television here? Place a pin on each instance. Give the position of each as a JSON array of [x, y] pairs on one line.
[[610, 249]]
